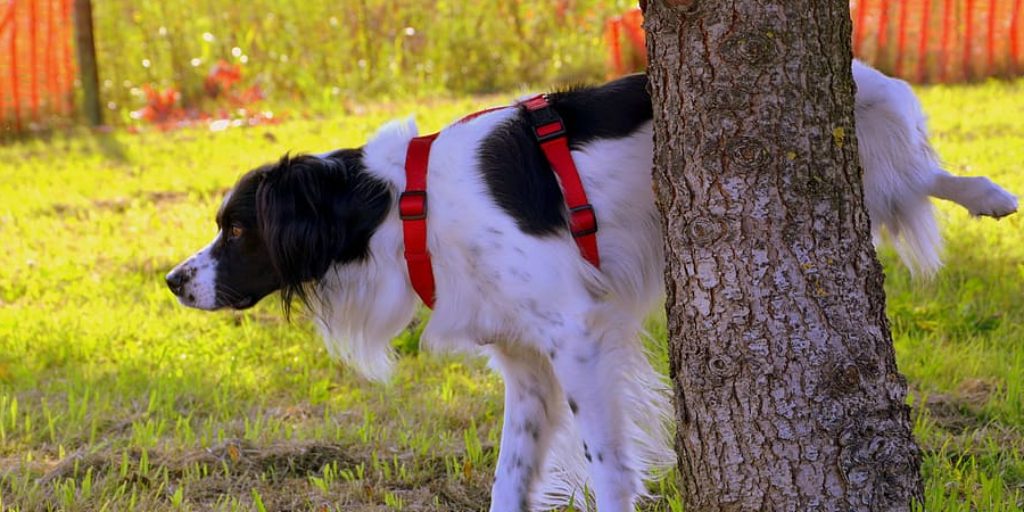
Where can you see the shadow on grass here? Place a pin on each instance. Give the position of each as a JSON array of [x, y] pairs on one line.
[[109, 145]]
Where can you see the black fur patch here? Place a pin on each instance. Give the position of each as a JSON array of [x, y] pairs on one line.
[[302, 215], [518, 175], [611, 111]]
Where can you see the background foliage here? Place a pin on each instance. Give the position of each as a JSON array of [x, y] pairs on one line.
[[326, 52]]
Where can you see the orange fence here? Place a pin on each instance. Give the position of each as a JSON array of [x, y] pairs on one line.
[[628, 27], [939, 40], [919, 40], [37, 71]]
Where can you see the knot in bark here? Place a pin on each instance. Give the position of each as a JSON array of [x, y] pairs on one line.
[[685, 10], [841, 380], [730, 98], [874, 458], [755, 49], [722, 367], [748, 152], [705, 230], [866, 364]]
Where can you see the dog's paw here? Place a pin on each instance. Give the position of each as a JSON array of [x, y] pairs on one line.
[[994, 202]]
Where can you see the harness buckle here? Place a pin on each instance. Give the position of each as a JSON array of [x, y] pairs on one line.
[[412, 205], [547, 124], [582, 220], [549, 131]]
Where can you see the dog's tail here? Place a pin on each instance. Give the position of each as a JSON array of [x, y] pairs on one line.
[[916, 236], [900, 168]]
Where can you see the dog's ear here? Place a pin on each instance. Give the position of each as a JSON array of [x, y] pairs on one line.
[[314, 212]]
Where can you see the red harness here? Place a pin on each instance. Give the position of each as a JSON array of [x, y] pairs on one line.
[[412, 204]]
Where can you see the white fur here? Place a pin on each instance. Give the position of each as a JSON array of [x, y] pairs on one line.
[[200, 290], [976, 193], [364, 340]]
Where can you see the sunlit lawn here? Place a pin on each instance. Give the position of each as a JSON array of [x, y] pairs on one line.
[[114, 397]]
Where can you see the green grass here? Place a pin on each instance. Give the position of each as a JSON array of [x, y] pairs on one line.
[[113, 397]]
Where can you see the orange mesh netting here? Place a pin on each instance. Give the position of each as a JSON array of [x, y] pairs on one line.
[[37, 70], [919, 40]]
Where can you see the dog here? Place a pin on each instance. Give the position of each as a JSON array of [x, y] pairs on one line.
[[584, 410]]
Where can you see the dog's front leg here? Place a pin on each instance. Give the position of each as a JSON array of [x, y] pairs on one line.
[[532, 396]]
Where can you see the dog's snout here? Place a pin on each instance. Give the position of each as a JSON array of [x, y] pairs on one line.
[[176, 280]]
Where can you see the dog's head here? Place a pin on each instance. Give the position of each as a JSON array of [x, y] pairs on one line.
[[282, 227]]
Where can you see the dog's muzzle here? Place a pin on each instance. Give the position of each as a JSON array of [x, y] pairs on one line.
[[176, 281], [179, 281], [193, 282]]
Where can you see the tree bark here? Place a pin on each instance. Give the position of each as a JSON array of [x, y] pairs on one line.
[[787, 392]]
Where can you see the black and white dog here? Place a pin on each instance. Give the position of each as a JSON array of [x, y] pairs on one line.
[[583, 407]]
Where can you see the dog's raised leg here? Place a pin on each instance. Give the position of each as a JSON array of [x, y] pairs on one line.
[[978, 194], [533, 405]]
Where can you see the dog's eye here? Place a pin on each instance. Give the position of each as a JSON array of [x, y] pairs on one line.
[[236, 231]]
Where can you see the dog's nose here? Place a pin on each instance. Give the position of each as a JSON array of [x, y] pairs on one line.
[[176, 280]]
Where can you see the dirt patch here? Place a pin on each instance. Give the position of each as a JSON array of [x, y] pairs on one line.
[[975, 393], [234, 457], [961, 410], [952, 414], [159, 197], [122, 204], [281, 474]]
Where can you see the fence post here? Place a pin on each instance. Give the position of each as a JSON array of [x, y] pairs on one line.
[[15, 86], [990, 52], [968, 36], [1015, 37], [88, 73], [859, 26], [922, 42], [947, 28], [901, 37]]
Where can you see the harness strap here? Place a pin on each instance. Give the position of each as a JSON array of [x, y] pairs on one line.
[[412, 209], [549, 129], [412, 203]]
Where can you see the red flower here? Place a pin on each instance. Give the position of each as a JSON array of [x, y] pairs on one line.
[[161, 106], [222, 77]]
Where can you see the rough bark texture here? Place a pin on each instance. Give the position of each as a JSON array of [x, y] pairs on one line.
[[787, 392]]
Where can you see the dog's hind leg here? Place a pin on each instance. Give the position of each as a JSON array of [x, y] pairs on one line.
[[588, 361], [534, 407], [977, 193], [901, 171]]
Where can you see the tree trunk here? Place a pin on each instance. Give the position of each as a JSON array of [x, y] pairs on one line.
[[787, 392], [88, 70]]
